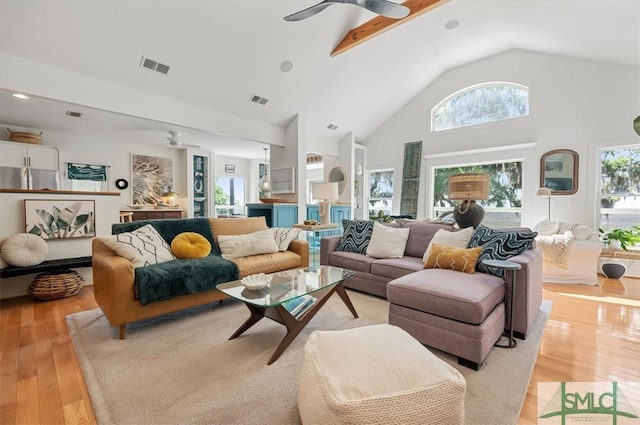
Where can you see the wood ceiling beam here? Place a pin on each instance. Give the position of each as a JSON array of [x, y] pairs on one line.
[[380, 24]]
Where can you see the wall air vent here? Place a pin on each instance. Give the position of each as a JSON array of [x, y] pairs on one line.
[[74, 114], [332, 127], [154, 65], [257, 99]]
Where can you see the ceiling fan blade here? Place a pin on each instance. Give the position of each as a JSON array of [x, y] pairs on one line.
[[386, 8], [310, 11]]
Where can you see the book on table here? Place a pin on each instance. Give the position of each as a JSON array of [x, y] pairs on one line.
[[298, 305]]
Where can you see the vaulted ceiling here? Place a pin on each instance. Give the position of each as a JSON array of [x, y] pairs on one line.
[[221, 53]]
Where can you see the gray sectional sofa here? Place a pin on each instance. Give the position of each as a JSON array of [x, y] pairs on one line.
[[460, 313]]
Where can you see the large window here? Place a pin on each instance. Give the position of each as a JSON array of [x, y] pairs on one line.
[[380, 192], [619, 188], [504, 206], [229, 195], [481, 104]]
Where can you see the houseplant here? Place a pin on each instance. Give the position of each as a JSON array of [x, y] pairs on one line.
[[625, 238]]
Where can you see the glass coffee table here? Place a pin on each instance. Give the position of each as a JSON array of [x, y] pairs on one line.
[[292, 298]]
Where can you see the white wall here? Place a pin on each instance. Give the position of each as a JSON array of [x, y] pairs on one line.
[[574, 103]]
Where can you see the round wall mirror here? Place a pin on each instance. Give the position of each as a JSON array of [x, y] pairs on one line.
[[338, 175], [559, 171]]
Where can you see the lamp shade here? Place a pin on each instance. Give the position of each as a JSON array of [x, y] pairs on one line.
[[543, 191], [464, 187], [325, 191]]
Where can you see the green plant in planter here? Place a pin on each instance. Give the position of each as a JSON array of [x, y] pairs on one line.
[[627, 238]]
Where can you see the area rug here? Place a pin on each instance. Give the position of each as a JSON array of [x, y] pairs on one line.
[[182, 369]]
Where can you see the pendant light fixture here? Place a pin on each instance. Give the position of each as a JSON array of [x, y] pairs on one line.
[[263, 183]]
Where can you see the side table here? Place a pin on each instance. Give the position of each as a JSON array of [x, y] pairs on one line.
[[314, 235], [509, 268]]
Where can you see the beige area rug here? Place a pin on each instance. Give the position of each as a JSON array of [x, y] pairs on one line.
[[182, 369]]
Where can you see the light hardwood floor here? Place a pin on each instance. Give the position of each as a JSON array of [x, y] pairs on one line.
[[593, 334]]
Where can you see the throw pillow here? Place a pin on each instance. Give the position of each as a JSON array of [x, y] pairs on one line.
[[143, 246], [356, 236], [555, 248], [235, 246], [459, 239], [190, 245], [283, 236], [499, 245], [3, 263], [387, 242], [24, 250], [452, 258], [547, 227]]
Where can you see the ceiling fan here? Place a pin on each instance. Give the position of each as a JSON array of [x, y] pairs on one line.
[[174, 140], [381, 7]]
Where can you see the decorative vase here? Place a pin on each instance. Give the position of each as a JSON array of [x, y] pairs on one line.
[[614, 270], [615, 244]]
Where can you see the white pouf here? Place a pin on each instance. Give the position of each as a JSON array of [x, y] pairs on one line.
[[376, 374], [24, 250]]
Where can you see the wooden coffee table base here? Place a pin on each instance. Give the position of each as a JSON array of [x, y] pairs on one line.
[[281, 315]]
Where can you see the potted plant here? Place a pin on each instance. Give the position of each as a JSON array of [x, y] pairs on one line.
[[623, 237]]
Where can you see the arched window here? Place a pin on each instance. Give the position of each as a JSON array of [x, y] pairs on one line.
[[479, 104]]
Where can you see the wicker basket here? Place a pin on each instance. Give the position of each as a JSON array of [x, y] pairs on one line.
[[56, 284], [23, 137]]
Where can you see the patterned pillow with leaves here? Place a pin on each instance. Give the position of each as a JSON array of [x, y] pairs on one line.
[[355, 236], [499, 245]]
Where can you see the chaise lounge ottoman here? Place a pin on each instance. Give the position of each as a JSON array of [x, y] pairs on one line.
[[376, 374]]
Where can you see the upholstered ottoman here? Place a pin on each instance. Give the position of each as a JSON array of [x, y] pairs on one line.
[[376, 374]]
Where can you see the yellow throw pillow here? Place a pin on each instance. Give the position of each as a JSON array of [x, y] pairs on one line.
[[450, 258], [190, 245]]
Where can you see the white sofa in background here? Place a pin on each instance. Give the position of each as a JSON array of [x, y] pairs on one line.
[[570, 252]]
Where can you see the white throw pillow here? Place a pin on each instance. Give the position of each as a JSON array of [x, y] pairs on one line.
[[143, 247], [24, 250], [582, 232], [283, 236], [459, 239], [387, 242], [235, 246], [547, 227]]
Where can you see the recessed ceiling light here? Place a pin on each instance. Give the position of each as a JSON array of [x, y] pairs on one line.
[[286, 66], [451, 25], [20, 96]]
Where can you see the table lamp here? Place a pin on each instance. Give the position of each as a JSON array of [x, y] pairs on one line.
[[326, 193], [468, 188]]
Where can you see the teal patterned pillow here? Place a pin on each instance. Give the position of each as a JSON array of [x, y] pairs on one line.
[[356, 236], [499, 245]]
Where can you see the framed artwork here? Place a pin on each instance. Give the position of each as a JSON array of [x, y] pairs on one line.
[[151, 177], [60, 219], [229, 168]]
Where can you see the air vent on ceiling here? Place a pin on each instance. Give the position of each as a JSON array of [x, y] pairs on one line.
[[332, 127], [259, 100], [74, 114], [154, 65]]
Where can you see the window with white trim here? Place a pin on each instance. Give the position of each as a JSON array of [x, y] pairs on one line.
[[479, 104], [229, 196]]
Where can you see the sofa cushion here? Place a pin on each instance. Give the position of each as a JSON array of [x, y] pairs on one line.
[[267, 263], [456, 239], [500, 245], [451, 258], [181, 277], [387, 242], [143, 246], [420, 234], [283, 236], [234, 246], [171, 228], [190, 245], [459, 296], [351, 260], [355, 236], [396, 267]]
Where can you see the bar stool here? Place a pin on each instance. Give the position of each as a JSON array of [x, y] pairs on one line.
[[126, 216]]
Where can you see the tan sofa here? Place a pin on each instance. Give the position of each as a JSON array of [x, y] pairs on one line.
[[114, 276]]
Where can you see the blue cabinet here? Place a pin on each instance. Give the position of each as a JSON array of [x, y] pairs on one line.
[[338, 212], [277, 215]]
